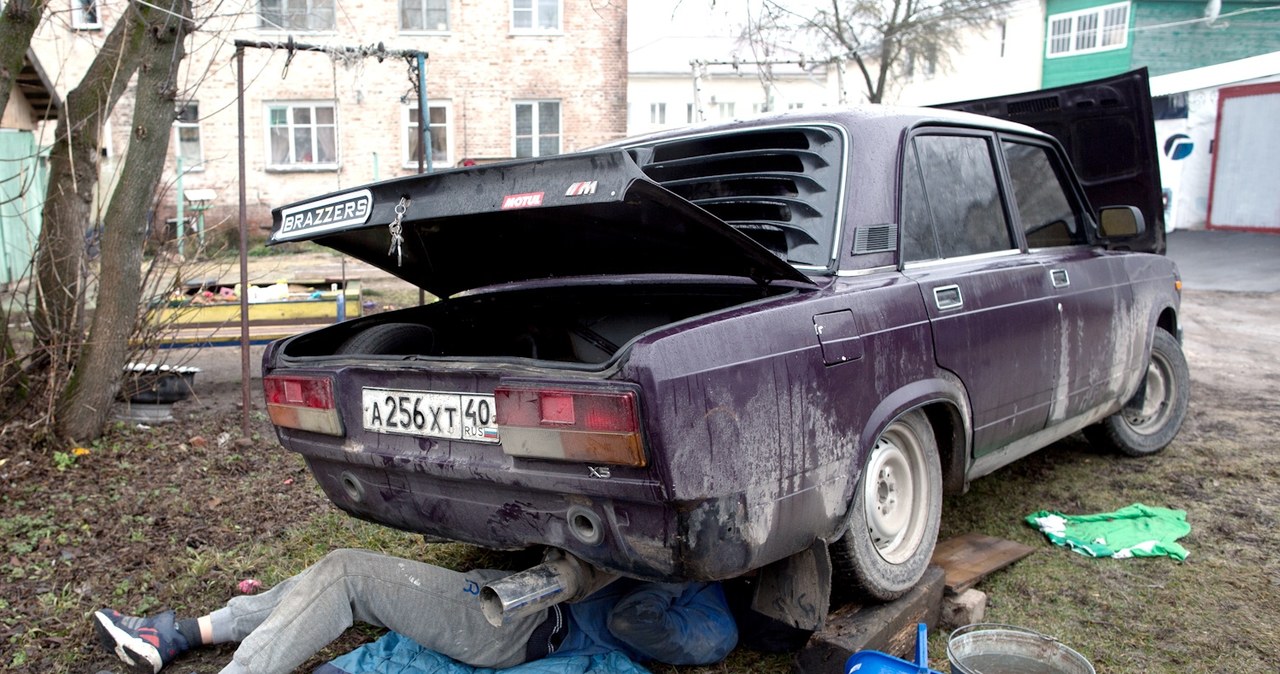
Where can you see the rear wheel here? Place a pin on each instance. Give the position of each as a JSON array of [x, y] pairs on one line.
[[390, 339], [1152, 418], [893, 523]]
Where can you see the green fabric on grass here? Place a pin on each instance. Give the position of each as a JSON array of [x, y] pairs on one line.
[[1135, 531]]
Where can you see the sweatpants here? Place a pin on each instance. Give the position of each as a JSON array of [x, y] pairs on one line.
[[280, 629]]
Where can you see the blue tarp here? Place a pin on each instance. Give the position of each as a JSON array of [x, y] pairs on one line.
[[395, 654]]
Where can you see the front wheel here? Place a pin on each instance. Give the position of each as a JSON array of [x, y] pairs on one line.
[[1151, 419], [893, 523]]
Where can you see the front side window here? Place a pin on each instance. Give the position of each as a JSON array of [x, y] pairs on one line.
[[1089, 30], [84, 15], [296, 15], [302, 135], [959, 179], [437, 127], [535, 15], [537, 128], [1048, 215], [424, 15], [187, 128]]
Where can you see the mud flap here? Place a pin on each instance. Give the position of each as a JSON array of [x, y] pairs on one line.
[[796, 590]]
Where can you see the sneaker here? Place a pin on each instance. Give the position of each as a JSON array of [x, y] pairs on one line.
[[145, 644]]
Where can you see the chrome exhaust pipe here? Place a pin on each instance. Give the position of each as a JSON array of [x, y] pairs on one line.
[[560, 578]]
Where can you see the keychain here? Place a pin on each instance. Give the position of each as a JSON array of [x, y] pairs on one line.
[[397, 240]]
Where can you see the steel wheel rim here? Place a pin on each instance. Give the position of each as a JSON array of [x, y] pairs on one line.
[[893, 494], [1157, 404]]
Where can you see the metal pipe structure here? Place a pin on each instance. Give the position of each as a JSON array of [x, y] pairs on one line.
[[244, 252], [560, 578], [377, 51]]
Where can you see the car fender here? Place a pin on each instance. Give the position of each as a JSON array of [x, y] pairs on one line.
[[944, 388]]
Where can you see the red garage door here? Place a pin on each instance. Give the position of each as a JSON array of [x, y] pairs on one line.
[[1246, 162]]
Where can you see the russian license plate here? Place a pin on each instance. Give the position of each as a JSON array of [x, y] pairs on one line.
[[432, 414]]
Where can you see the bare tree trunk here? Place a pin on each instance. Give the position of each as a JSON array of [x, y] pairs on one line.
[[18, 23], [73, 172], [86, 401]]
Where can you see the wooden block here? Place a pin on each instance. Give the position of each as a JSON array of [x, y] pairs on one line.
[[969, 558], [888, 628]]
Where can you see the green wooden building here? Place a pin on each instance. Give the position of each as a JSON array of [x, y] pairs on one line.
[[23, 170], [1089, 39]]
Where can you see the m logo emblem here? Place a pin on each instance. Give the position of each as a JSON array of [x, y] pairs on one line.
[[581, 189]]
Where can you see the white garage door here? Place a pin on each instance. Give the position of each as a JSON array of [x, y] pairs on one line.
[[1246, 163]]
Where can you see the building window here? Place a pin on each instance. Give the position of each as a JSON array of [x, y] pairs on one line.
[[535, 15], [1090, 30], [437, 126], [537, 128], [424, 15], [725, 110], [187, 129], [302, 135], [688, 113], [795, 106], [296, 15], [657, 113], [84, 15]]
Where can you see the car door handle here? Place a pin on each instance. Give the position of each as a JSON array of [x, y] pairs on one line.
[[1060, 278], [948, 297]]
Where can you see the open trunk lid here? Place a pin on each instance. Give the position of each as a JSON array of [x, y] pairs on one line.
[[1108, 130], [571, 215]]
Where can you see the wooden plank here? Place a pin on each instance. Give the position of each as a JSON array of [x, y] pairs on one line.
[[969, 558], [888, 628]]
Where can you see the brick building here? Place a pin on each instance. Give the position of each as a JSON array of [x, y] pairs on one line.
[[504, 78]]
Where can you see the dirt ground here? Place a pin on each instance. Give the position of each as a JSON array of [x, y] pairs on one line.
[[175, 515]]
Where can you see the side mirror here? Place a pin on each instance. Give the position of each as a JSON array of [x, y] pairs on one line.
[[1118, 222]]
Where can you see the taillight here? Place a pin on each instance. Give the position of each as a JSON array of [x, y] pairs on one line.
[[570, 424], [302, 402]]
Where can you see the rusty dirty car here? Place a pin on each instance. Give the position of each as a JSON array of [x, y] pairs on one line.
[[703, 353]]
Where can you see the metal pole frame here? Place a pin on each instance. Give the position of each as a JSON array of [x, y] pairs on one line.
[[377, 51]]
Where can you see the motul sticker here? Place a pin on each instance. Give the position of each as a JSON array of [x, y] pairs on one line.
[[581, 189], [526, 200]]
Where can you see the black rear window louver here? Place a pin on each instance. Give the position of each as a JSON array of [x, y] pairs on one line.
[[781, 187]]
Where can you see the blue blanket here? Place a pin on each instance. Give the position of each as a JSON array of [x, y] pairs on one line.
[[395, 654]]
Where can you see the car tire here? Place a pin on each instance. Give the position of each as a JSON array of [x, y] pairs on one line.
[[390, 339], [1152, 418], [893, 520]]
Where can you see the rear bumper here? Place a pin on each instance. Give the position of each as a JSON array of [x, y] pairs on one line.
[[631, 531]]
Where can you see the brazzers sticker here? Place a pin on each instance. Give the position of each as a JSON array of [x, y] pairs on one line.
[[335, 212]]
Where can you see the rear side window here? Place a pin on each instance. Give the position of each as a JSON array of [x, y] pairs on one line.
[[964, 209], [1049, 216]]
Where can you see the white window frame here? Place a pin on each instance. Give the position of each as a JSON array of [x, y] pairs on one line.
[[726, 110], [536, 137], [658, 114], [1087, 31], [78, 20], [533, 10], [296, 165], [308, 11], [448, 21], [178, 125], [409, 125]]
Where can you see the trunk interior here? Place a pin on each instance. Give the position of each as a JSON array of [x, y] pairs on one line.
[[583, 325]]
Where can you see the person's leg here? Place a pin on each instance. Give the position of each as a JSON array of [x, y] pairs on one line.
[[435, 607], [147, 644]]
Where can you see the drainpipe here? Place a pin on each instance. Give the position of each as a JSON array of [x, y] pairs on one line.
[[181, 213]]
